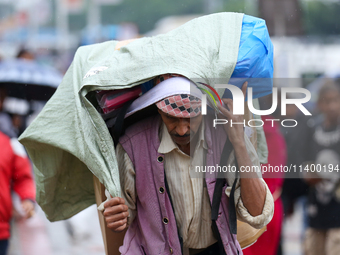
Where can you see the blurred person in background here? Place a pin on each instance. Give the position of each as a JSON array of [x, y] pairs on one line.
[[294, 189], [16, 175], [294, 186], [6, 125], [18, 120], [25, 54], [268, 242], [322, 151]]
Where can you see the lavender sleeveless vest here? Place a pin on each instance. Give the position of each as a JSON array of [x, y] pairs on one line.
[[154, 230]]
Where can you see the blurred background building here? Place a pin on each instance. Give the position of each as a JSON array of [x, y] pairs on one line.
[[304, 32]]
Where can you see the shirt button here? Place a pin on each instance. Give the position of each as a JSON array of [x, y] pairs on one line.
[[171, 251], [165, 220], [160, 159], [161, 190]]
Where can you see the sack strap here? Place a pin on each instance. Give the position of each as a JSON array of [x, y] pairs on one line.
[[220, 181]]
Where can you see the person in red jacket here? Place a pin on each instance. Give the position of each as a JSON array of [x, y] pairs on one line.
[[16, 175], [268, 243]]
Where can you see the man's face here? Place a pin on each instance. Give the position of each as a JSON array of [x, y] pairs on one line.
[[329, 105], [181, 130]]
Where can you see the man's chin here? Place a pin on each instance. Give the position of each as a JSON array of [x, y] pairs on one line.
[[181, 140]]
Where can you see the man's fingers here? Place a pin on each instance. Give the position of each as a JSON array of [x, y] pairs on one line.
[[227, 100], [116, 213], [117, 226], [115, 210], [120, 228], [122, 201], [114, 201], [224, 111], [244, 88], [229, 103], [116, 217]]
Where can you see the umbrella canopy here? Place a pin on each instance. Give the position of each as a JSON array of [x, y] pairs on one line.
[[28, 79]]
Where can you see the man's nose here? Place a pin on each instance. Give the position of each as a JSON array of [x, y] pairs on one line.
[[183, 127]]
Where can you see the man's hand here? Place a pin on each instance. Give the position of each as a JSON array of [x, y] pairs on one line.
[[253, 191], [236, 132], [28, 208], [116, 214]]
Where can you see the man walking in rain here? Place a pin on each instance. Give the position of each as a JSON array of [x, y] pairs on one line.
[[164, 209]]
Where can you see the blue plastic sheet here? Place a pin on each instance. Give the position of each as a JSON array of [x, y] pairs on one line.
[[255, 58]]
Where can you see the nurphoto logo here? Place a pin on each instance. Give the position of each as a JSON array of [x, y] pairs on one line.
[[238, 105]]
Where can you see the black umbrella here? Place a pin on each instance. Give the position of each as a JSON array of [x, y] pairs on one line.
[[29, 80]]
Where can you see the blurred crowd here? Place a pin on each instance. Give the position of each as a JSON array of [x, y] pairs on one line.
[[24, 229], [312, 151], [313, 145]]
